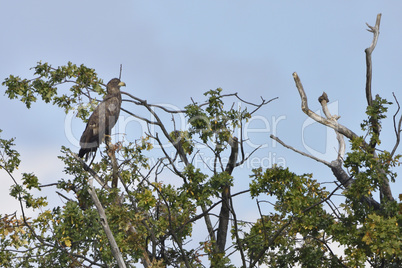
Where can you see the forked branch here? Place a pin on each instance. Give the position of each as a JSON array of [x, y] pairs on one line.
[[323, 100], [376, 32], [326, 122]]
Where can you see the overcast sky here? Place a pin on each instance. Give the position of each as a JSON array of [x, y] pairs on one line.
[[174, 50]]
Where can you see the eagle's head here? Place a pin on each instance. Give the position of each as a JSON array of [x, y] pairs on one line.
[[113, 87]]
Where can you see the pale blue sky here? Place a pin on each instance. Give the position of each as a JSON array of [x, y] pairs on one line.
[[174, 50]]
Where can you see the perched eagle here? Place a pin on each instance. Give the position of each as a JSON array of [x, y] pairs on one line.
[[102, 120]]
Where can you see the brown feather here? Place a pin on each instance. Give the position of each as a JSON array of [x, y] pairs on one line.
[[102, 120]]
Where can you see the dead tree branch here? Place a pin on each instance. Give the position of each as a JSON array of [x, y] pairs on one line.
[[329, 123], [101, 212], [300, 152], [369, 76], [103, 220], [323, 100], [111, 149], [145, 260], [385, 190], [376, 31]]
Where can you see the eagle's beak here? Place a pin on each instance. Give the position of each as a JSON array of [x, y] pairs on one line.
[[122, 84]]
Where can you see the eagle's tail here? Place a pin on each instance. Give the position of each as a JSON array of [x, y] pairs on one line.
[[83, 152], [87, 152]]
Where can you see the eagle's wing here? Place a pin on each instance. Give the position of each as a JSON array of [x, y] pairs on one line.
[[100, 123], [94, 131], [112, 112]]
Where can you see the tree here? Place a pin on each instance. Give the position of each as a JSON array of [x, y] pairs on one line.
[[150, 218]]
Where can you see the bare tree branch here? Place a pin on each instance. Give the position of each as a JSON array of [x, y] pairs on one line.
[[101, 212], [61, 195], [369, 75], [329, 123], [385, 190], [376, 31], [93, 195], [323, 100], [103, 220], [139, 117], [300, 152], [141, 102], [397, 129]]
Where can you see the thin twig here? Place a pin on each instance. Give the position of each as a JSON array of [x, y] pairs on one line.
[[139, 117], [397, 129], [142, 102], [300, 152], [91, 171], [61, 195]]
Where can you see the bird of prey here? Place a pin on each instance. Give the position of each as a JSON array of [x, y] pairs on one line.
[[102, 120]]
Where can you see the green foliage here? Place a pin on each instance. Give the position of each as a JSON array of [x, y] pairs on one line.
[[298, 212], [153, 212], [289, 187], [214, 122], [184, 138], [382, 236], [195, 186], [9, 158], [10, 161], [375, 112], [368, 234], [369, 169], [48, 78]]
